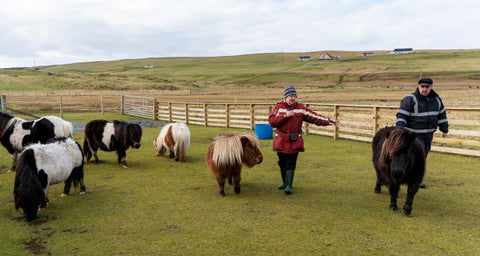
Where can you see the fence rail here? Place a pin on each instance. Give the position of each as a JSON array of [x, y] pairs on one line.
[[357, 122]]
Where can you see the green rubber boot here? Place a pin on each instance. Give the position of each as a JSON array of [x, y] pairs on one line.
[[289, 181], [284, 184]]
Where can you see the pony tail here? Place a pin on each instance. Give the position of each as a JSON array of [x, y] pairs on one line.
[[183, 143]]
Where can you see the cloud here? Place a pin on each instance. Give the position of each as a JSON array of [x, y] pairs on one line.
[[58, 32]]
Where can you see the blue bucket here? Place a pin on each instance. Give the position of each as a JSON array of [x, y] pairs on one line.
[[263, 131]]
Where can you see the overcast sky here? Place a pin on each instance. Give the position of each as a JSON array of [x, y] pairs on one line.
[[45, 32]]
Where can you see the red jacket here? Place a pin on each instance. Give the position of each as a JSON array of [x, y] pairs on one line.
[[285, 126]]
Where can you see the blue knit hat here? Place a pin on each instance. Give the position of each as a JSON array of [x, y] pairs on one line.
[[289, 90]]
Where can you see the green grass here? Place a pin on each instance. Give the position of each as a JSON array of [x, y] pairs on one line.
[[161, 207]]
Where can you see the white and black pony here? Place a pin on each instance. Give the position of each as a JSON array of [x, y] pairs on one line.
[[16, 133], [111, 136], [42, 165]]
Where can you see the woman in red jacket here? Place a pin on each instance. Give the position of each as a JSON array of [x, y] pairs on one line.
[[287, 118]]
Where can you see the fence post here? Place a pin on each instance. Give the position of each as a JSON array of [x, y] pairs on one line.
[[169, 112], [205, 115], [375, 119], [335, 117], [305, 124], [3, 103], [123, 105], [155, 109], [252, 120], [186, 113], [61, 107], [227, 115]]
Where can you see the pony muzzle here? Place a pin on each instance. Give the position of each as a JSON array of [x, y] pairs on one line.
[[398, 175]]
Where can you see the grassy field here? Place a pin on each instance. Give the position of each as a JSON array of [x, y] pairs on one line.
[[161, 207]]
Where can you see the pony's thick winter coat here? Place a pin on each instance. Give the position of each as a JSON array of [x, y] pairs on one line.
[[16, 133], [111, 136], [174, 137], [398, 158], [227, 154], [42, 165]]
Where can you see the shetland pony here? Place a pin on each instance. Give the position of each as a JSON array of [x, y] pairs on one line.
[[174, 137], [111, 136], [42, 165], [226, 155], [16, 133], [398, 158]]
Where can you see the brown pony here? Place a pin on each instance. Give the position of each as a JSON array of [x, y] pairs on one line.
[[226, 155], [398, 158]]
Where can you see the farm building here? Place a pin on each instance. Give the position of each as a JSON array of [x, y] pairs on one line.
[[368, 54], [302, 58], [402, 50], [325, 56]]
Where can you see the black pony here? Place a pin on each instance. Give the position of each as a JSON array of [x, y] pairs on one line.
[[42, 165], [111, 136], [16, 133], [399, 158]]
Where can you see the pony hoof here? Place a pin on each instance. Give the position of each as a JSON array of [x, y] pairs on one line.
[[222, 195], [82, 192], [124, 166], [63, 195], [393, 208]]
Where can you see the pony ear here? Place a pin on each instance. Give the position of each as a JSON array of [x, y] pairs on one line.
[[245, 141]]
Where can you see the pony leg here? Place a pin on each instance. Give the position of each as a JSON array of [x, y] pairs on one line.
[[172, 154], [44, 203], [378, 186], [393, 196], [412, 190], [82, 187], [122, 158], [236, 184], [221, 186], [66, 188], [14, 162], [94, 152]]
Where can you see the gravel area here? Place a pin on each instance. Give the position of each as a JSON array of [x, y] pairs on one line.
[[80, 127]]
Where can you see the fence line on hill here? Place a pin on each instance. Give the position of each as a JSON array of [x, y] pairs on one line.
[[357, 122]]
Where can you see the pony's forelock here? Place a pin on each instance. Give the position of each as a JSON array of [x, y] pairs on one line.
[[392, 144]]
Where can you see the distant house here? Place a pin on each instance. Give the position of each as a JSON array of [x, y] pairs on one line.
[[149, 66], [368, 54], [302, 58], [402, 50], [325, 56]]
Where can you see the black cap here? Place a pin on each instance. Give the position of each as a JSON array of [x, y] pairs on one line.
[[426, 81]]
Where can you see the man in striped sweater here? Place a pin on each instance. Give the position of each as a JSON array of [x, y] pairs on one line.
[[421, 112]]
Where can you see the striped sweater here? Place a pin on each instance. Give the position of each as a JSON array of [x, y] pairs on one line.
[[422, 114]]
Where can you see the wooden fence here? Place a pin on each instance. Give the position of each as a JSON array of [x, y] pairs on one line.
[[357, 122]]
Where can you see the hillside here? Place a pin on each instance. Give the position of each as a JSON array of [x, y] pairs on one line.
[[265, 73]]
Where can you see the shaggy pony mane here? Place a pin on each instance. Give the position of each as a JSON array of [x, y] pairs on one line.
[[228, 149]]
